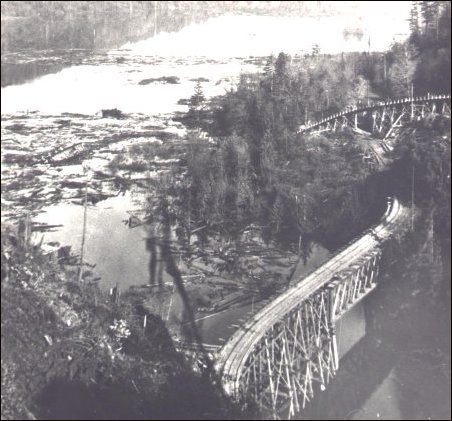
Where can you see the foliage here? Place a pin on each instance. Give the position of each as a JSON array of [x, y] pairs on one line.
[[423, 170], [196, 112], [430, 41], [401, 70], [306, 186], [260, 171], [103, 364], [422, 62], [198, 97], [42, 25]]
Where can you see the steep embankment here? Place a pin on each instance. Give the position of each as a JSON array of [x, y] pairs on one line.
[[69, 350]]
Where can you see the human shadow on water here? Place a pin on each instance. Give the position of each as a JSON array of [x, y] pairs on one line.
[[162, 258], [155, 265]]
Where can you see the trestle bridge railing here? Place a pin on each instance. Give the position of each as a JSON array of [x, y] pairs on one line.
[[383, 117], [288, 350]]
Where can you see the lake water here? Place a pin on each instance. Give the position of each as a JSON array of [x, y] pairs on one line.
[[210, 51], [119, 252], [217, 50], [112, 79]]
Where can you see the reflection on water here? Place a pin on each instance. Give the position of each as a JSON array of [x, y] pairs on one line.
[[32, 39], [361, 371], [388, 393], [394, 371], [118, 251], [17, 73], [210, 50], [215, 327], [350, 329], [373, 380], [313, 256], [251, 36]]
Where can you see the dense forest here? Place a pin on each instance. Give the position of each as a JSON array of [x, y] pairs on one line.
[[40, 25], [259, 170], [90, 357], [428, 48]]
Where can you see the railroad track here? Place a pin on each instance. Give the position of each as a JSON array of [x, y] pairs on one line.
[[232, 357]]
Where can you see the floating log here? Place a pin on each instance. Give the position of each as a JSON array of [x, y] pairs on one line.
[[114, 113]]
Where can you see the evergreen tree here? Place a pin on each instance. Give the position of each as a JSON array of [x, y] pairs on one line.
[[414, 19], [281, 78], [315, 50], [430, 14], [196, 105], [402, 70], [269, 67], [432, 48], [268, 76], [198, 98]]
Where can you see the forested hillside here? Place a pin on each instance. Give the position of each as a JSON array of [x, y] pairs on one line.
[[70, 349], [107, 24], [298, 187], [90, 25]]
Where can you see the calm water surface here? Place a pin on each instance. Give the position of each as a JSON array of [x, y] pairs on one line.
[[373, 382]]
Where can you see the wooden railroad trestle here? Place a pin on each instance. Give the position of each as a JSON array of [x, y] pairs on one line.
[[299, 353], [288, 350], [385, 117]]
